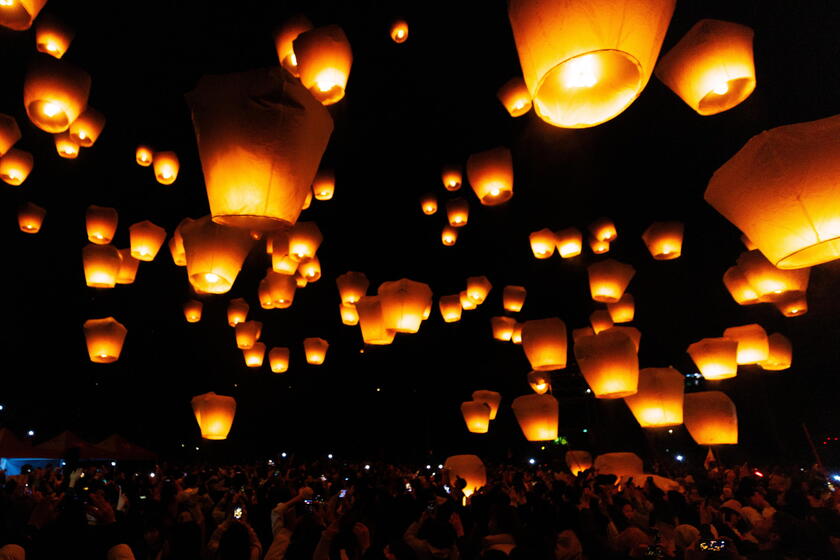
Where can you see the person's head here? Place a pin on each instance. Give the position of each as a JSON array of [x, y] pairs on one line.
[[567, 546], [440, 536], [627, 511]]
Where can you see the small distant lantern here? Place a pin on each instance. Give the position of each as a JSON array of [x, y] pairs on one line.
[[304, 240], [609, 363], [469, 468], [192, 311], [283, 39], [101, 264], [664, 240], [55, 93], [52, 37], [540, 382], [237, 311], [780, 353], [711, 68], [452, 177], [491, 398], [310, 268], [623, 310], [738, 287], [537, 415], [449, 236], [404, 303], [281, 289], [105, 338], [792, 304], [143, 155], [428, 203], [543, 243], [300, 280], [15, 166], [127, 272], [264, 295], [399, 31], [146, 239], [578, 461], [372, 321], [278, 359], [716, 358], [101, 224], [478, 287], [31, 217], [9, 133], [324, 59], [569, 242], [603, 229], [502, 328], [768, 281], [457, 212], [608, 279], [214, 254], [316, 350], [254, 355], [491, 176], [599, 247], [516, 336], [66, 147], [86, 129], [634, 334], [352, 286], [477, 416], [513, 298], [752, 343], [323, 186], [166, 166], [544, 342], [658, 403], [515, 97], [349, 315], [19, 14], [450, 308], [467, 304], [710, 417], [214, 414], [247, 334], [600, 320], [578, 333]]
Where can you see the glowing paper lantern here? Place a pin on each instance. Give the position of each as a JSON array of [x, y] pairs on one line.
[[283, 38], [254, 355], [349, 315], [399, 31], [609, 363], [66, 147], [264, 295], [543, 243], [316, 350], [146, 239], [300, 280], [30, 217], [104, 338], [323, 186], [372, 321], [19, 14], [324, 58], [55, 94], [352, 286], [569, 242], [608, 279], [659, 400], [623, 310], [452, 177], [278, 359], [578, 461], [86, 129], [15, 166], [308, 201], [738, 287], [247, 334], [490, 398], [780, 353], [516, 337], [166, 166], [450, 308], [513, 298], [711, 68], [544, 342], [449, 236], [101, 264], [578, 333], [621, 464], [599, 247], [716, 358], [176, 244], [214, 254], [467, 304], [770, 282], [304, 240], [237, 311], [478, 287], [457, 212], [192, 311], [404, 303], [634, 334], [540, 382], [710, 417], [101, 224], [143, 155], [603, 229], [310, 268], [515, 97], [52, 37], [428, 203], [466, 467], [537, 415], [476, 416], [792, 304], [752, 343], [284, 264], [585, 62], [491, 176], [127, 272], [281, 289], [502, 327], [214, 414], [600, 320], [9, 133], [664, 240]]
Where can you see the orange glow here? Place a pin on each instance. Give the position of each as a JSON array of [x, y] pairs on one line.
[[349, 315], [664, 240], [450, 308], [278, 359], [502, 328], [716, 358], [477, 288], [352, 286], [324, 58], [623, 310], [316, 350], [516, 337], [710, 417], [192, 311], [780, 354], [404, 303], [264, 295], [634, 334], [254, 355], [659, 400], [792, 304], [603, 229], [608, 279], [569, 242], [284, 264], [166, 166], [467, 467], [19, 14], [66, 146], [740, 290], [281, 289], [544, 343], [310, 269], [146, 239], [428, 202], [304, 240], [467, 304], [491, 176], [449, 236], [513, 298], [399, 31], [372, 321], [600, 320], [127, 272], [491, 398], [599, 247], [452, 177], [31, 217], [515, 97], [578, 461], [54, 93], [771, 283], [237, 311], [15, 166], [101, 265], [9, 133], [537, 415], [86, 129], [752, 343], [609, 363], [540, 382], [101, 224], [143, 155], [104, 338], [477, 416], [457, 211], [284, 37], [581, 332], [247, 334], [543, 243], [323, 187], [214, 414]]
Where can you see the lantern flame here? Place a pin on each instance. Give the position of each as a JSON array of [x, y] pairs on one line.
[[580, 72]]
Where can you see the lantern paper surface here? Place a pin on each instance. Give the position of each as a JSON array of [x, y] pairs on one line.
[[469, 468], [664, 240], [569, 242], [537, 415], [146, 239], [52, 37], [544, 342], [710, 417], [603, 229], [452, 177], [513, 298], [66, 147], [15, 166], [349, 315], [247, 334], [372, 321], [634, 334], [609, 363], [192, 311], [55, 93], [428, 203], [19, 14], [623, 310], [86, 129], [101, 264], [127, 272], [543, 243], [450, 308], [516, 337], [716, 358], [304, 240], [490, 398], [30, 217], [323, 186], [621, 464], [457, 212], [105, 338], [658, 403], [540, 382], [736, 284], [578, 461], [143, 155], [780, 353], [599, 247], [399, 31], [449, 236], [316, 350], [584, 331], [476, 416], [324, 59], [9, 133], [310, 269], [600, 320], [769, 282], [792, 304], [752, 343], [214, 254], [101, 224], [352, 286], [281, 289], [166, 167], [478, 287], [608, 279], [237, 311], [214, 414], [254, 355], [515, 97], [283, 38], [491, 175], [278, 358], [502, 327], [404, 303]]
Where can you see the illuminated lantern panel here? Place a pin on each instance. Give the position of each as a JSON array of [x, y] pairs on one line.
[[516, 336], [15, 166], [308, 201], [608, 279], [450, 308], [372, 322], [55, 93], [310, 269], [323, 187], [747, 243], [254, 355], [502, 327], [284, 264], [9, 133], [603, 229], [540, 382], [304, 240], [104, 338], [711, 68], [792, 304], [214, 254], [281, 289], [609, 363], [19, 14], [176, 244], [780, 354], [537, 415], [716, 358], [428, 203], [352, 286], [513, 298], [600, 320], [578, 333], [621, 464], [478, 287], [710, 417], [52, 37], [404, 303], [349, 315], [101, 264], [101, 224], [578, 461], [664, 240], [86, 129], [569, 242], [738, 287], [457, 212], [143, 155], [66, 147], [237, 311], [490, 398], [166, 166], [452, 177], [449, 236], [467, 304], [278, 359], [515, 97], [399, 31], [659, 400], [491, 176], [544, 343], [300, 280], [599, 247], [247, 334], [586, 61], [127, 272], [146, 239], [623, 310], [316, 350], [752, 343], [277, 243], [634, 334], [770, 282], [192, 311], [283, 38], [214, 414], [469, 468], [324, 58], [477, 416], [543, 243], [31, 217], [264, 295]]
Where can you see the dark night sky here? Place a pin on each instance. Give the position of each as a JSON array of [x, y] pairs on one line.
[[409, 108]]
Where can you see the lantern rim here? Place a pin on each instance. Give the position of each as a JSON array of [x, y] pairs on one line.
[[252, 221], [738, 89], [59, 122], [812, 255]]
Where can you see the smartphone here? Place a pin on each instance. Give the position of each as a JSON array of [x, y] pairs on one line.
[[408, 487], [446, 487], [713, 545], [342, 493], [237, 512]]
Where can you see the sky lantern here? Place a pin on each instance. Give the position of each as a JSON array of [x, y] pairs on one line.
[[515, 97], [540, 382], [55, 93], [578, 461], [254, 355], [608, 279], [127, 272], [18, 15], [52, 37], [9, 133], [310, 268], [599, 247], [281, 289], [600, 320], [543, 243], [586, 61], [623, 310], [469, 468], [502, 327], [349, 315], [300, 280], [792, 304], [15, 166], [285, 264], [259, 151], [658, 403], [247, 334], [283, 38], [372, 321], [710, 417], [264, 295], [192, 311], [404, 303], [537, 415], [323, 186], [752, 343], [101, 264], [316, 350], [516, 335], [450, 308], [622, 464], [428, 203], [278, 359], [513, 298], [277, 243], [214, 253], [490, 398], [569, 242], [634, 334], [146, 239], [609, 363], [166, 166], [478, 287], [214, 414], [352, 286], [399, 30], [449, 236], [780, 353], [491, 175], [736, 284], [452, 177], [30, 217], [101, 224], [664, 240], [544, 343], [304, 240], [581, 332], [467, 304], [237, 311], [477, 416], [603, 229], [65, 146], [324, 58], [104, 338], [716, 358], [457, 212], [86, 129], [768, 281], [711, 68], [176, 243], [143, 155]]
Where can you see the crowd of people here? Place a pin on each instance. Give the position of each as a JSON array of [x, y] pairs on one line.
[[337, 511]]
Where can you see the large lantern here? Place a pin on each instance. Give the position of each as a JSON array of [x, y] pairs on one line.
[[254, 355], [502, 327], [105, 338], [428, 203], [711, 68], [66, 147], [664, 240], [86, 129], [166, 166], [404, 303], [623, 310], [146, 239], [9, 133], [323, 186], [600, 320], [470, 469], [578, 461], [659, 400], [127, 272], [768, 281], [214, 254], [587, 61], [278, 359], [304, 240], [490, 398], [452, 177], [260, 137], [716, 358], [608, 279], [457, 212], [237, 311], [736, 284], [316, 350], [30, 217], [792, 304], [15, 166], [543, 243], [780, 353], [192, 311], [352, 286], [513, 298], [752, 343], [372, 321], [710, 417], [609, 363], [450, 308], [54, 93], [449, 236], [491, 175], [283, 38], [101, 264], [399, 31], [324, 58], [214, 414], [544, 342], [247, 334], [143, 155], [477, 288], [569, 242], [476, 416], [281, 289], [540, 382], [515, 97], [101, 224], [537, 415]]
